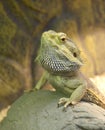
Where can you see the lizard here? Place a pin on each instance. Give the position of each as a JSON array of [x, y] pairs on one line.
[[60, 57]]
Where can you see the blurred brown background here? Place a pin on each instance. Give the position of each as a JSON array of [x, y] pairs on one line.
[[21, 25]]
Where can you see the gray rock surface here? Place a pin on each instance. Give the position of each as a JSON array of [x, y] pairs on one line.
[[38, 111]]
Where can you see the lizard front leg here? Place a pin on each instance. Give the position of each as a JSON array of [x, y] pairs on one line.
[[75, 97], [42, 81]]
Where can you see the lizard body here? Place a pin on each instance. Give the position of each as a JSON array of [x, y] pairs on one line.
[[60, 58]]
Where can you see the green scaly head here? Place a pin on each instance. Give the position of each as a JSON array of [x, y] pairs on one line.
[[58, 54]]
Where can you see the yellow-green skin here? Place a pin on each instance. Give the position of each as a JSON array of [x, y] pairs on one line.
[[60, 58]]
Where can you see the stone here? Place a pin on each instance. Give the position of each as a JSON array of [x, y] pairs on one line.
[[39, 111]]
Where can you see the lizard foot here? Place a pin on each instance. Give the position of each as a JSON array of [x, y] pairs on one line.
[[26, 91], [30, 90], [66, 102]]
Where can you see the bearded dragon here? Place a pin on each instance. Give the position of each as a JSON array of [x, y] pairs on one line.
[[60, 58]]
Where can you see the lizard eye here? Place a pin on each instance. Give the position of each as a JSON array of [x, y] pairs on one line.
[[75, 54], [63, 39], [62, 36]]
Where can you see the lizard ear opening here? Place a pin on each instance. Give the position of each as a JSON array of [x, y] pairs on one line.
[[75, 54]]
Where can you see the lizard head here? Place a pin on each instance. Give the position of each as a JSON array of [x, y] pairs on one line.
[[57, 45]]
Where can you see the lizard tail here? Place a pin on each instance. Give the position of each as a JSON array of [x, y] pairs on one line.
[[94, 98]]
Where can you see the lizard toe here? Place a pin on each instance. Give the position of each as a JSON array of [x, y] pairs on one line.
[[62, 101]]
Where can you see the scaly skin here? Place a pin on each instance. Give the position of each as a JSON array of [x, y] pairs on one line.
[[60, 58]]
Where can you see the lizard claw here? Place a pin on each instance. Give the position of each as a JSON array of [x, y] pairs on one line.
[[66, 102], [62, 101]]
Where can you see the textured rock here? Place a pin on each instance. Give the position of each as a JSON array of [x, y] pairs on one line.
[[38, 111]]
